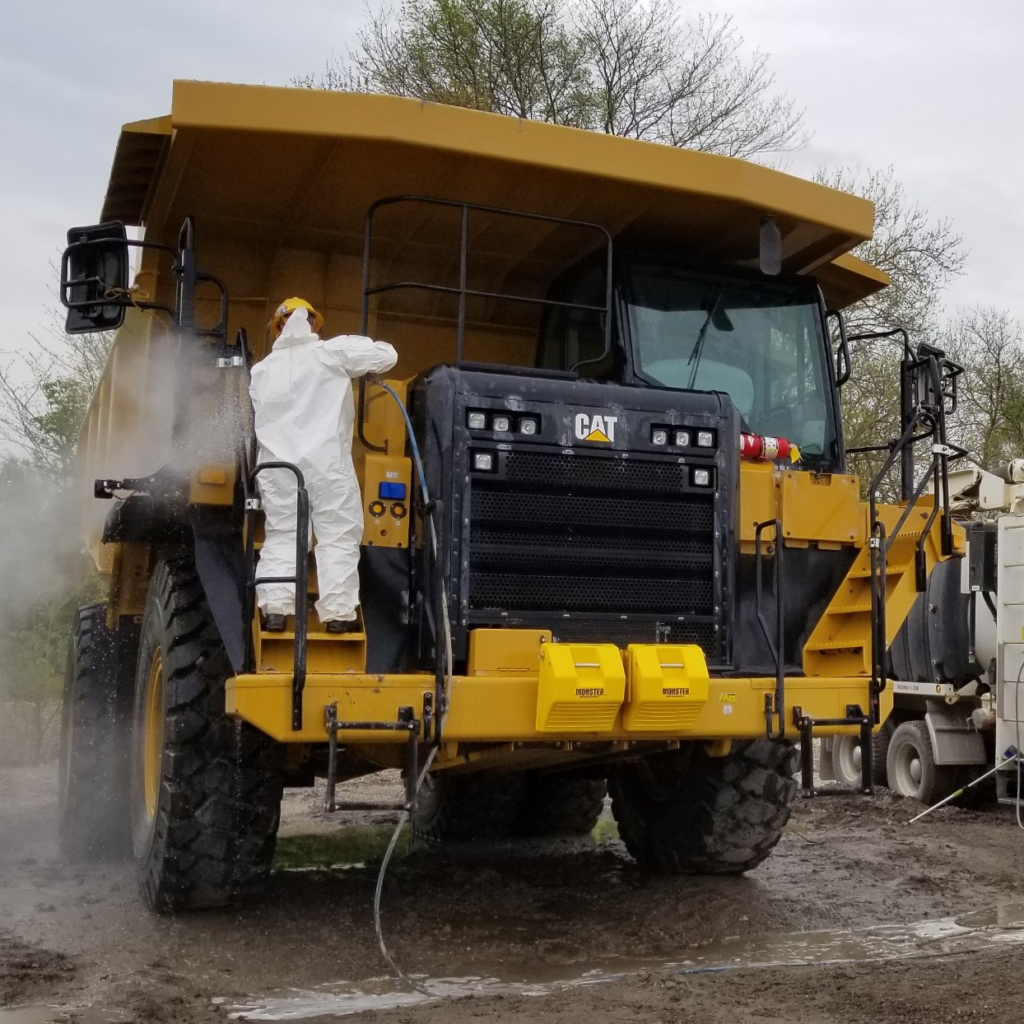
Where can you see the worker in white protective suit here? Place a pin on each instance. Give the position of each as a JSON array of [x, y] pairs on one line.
[[302, 395]]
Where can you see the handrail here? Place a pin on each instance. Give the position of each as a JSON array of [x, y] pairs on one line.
[[777, 646], [463, 291], [300, 579]]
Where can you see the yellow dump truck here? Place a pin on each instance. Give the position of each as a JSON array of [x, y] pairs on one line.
[[611, 539]]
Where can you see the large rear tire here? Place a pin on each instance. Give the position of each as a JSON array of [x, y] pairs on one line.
[[561, 805], [685, 812], [205, 789], [465, 808], [92, 787]]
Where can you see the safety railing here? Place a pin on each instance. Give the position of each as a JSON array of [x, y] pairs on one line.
[[464, 292], [300, 579]]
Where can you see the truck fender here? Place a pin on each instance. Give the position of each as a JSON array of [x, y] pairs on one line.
[[954, 738]]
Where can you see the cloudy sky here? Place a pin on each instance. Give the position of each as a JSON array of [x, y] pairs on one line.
[[933, 89]]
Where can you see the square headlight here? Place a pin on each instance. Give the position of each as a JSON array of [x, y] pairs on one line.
[[682, 439], [529, 425], [705, 439], [702, 478], [659, 436], [476, 420], [483, 461], [501, 424]]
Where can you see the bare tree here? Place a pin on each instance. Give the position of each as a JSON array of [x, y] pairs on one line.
[[623, 67], [45, 392], [990, 420], [685, 84], [920, 254]]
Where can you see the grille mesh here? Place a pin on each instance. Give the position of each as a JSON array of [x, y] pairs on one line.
[[498, 591], [570, 472], [595, 538]]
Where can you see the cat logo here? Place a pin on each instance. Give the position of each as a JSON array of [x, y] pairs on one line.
[[595, 428]]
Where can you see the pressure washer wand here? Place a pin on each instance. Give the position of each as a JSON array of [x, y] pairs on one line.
[[963, 789]]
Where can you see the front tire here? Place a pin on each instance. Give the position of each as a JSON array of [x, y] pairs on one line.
[[93, 791], [685, 812], [561, 805], [467, 808], [206, 790]]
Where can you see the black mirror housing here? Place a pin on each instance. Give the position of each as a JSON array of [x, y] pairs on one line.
[[94, 278]]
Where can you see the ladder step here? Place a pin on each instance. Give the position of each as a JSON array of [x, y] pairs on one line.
[[313, 636], [890, 570], [839, 646]]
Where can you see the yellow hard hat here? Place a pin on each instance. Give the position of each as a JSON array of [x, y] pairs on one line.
[[286, 309]]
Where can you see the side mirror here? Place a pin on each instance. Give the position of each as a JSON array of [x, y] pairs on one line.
[[843, 365], [94, 278]]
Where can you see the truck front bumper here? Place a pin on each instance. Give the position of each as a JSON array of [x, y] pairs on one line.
[[504, 708]]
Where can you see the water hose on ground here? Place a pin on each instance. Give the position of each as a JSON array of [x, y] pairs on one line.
[[442, 711]]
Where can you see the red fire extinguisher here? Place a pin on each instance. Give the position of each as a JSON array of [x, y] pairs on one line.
[[761, 448]]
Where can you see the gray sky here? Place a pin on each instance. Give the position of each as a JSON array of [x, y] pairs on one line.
[[933, 89]]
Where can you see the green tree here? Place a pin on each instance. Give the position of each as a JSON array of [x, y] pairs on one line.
[[623, 67]]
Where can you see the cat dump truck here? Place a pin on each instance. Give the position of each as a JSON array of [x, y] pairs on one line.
[[610, 536]]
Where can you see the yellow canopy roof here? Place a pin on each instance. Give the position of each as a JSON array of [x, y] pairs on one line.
[[303, 166]]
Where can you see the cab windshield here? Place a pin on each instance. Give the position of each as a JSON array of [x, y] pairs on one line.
[[760, 343]]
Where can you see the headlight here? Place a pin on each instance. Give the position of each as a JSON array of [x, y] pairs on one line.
[[659, 436], [528, 425], [705, 439], [476, 421], [483, 461], [682, 438], [501, 424], [702, 478]]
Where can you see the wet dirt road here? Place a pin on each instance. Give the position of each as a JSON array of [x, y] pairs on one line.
[[565, 932]]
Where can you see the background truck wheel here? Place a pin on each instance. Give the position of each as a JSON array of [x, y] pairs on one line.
[[880, 762], [912, 769], [561, 805], [206, 790], [686, 812], [462, 808], [93, 791], [846, 757]]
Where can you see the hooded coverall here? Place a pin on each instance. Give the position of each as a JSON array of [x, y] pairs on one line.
[[302, 396]]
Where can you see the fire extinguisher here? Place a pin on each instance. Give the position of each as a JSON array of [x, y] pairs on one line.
[[761, 448]]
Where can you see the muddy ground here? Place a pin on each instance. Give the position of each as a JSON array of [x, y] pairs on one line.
[[563, 932]]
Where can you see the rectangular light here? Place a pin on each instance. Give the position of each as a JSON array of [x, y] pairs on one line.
[[682, 439], [483, 461], [529, 425], [705, 439], [702, 478], [501, 424], [476, 420], [659, 436]]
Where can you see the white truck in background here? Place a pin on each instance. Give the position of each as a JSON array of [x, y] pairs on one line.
[[957, 665]]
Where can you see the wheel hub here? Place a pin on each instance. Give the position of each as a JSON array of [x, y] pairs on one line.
[[153, 740]]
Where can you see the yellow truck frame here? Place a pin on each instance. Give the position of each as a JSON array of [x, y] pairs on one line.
[[274, 187]]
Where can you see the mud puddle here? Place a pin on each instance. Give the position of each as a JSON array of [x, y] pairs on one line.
[[363, 846], [60, 1015], [949, 936]]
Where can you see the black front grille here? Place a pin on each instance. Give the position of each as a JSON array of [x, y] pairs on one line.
[[623, 540]]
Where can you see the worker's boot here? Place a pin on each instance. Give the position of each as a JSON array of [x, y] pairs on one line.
[[274, 623], [342, 626]]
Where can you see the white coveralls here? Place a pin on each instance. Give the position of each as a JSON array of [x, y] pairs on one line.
[[302, 395]]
